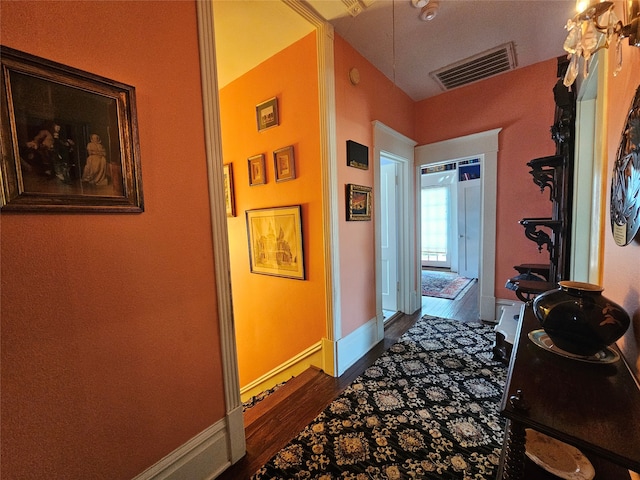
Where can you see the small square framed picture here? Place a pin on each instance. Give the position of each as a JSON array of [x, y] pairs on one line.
[[267, 114], [358, 202], [357, 155], [284, 163], [257, 173]]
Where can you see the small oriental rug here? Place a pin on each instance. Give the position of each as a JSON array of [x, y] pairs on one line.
[[428, 408], [443, 284]]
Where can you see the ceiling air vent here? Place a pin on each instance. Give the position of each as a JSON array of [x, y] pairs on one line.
[[484, 65]]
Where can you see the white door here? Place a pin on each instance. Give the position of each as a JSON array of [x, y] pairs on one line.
[[469, 199], [389, 234]]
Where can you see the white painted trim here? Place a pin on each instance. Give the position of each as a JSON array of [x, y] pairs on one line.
[[352, 347], [205, 456], [586, 223], [590, 172], [508, 324], [329, 176], [292, 367], [401, 150], [388, 140], [483, 143], [213, 144], [504, 303], [582, 215]]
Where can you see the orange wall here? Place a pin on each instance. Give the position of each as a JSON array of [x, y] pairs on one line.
[[621, 279], [521, 103], [110, 343], [374, 98], [276, 318]]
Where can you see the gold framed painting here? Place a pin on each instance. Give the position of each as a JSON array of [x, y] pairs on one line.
[[358, 200], [275, 241], [257, 171], [284, 164], [229, 198], [69, 139]]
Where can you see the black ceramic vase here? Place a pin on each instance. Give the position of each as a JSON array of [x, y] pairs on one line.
[[579, 319]]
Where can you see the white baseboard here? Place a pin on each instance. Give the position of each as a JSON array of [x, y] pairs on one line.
[[204, 457], [415, 302], [501, 303], [352, 347], [488, 309]]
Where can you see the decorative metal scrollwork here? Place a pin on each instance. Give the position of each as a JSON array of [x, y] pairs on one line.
[[625, 183], [541, 237], [544, 179], [544, 172], [561, 130]]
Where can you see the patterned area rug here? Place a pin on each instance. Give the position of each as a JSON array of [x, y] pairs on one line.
[[427, 408], [443, 284], [261, 396]]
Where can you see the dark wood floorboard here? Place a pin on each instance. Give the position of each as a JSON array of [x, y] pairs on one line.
[[276, 420], [466, 308]]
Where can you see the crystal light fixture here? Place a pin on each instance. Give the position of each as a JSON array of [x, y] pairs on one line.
[[597, 27]]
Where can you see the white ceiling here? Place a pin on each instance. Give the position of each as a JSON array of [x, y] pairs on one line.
[[391, 36]]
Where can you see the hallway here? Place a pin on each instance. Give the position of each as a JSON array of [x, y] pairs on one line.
[[274, 421], [466, 307]]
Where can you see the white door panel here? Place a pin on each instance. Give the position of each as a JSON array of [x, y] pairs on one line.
[[469, 199], [389, 236]]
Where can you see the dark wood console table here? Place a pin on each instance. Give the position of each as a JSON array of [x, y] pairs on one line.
[[595, 408]]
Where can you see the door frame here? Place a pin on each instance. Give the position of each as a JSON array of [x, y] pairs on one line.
[[233, 430], [590, 172], [485, 145], [389, 231], [400, 149]]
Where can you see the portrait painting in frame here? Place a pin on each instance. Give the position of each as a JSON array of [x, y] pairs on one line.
[[275, 241], [69, 139]]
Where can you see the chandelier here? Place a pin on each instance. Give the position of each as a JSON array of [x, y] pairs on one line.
[[597, 27]]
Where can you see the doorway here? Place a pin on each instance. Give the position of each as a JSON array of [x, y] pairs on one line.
[[438, 217], [394, 224], [450, 199], [482, 145], [389, 235]]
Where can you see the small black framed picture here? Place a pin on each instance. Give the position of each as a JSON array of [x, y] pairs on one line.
[[357, 155]]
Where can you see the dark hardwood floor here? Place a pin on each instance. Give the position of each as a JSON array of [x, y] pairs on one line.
[[465, 308], [274, 421]]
